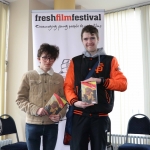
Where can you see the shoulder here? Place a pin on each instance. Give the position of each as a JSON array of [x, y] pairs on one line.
[[77, 57], [58, 76], [107, 57], [113, 58], [31, 72]]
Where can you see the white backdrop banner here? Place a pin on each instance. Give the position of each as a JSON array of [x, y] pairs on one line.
[[63, 29]]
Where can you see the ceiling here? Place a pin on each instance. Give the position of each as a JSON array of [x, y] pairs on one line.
[[107, 5]]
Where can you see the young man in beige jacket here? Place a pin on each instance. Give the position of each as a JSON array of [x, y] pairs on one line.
[[37, 87]]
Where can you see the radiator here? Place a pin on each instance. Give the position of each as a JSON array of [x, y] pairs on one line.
[[5, 142], [120, 139]]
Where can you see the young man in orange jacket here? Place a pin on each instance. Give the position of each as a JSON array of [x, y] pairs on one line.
[[90, 121]]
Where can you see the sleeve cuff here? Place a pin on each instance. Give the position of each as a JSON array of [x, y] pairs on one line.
[[102, 80], [73, 101]]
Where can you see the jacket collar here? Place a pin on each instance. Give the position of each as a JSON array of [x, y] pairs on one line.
[[40, 71], [100, 51]]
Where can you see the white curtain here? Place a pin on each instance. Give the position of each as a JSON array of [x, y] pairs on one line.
[[145, 28], [123, 40]]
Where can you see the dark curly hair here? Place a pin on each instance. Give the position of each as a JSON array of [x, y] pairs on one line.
[[90, 29], [51, 50]]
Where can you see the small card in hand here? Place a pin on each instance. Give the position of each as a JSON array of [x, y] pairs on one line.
[[55, 104]]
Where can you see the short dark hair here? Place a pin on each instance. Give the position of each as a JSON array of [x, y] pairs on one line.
[[51, 50], [90, 29]]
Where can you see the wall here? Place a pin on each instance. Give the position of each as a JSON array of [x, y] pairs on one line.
[[19, 55]]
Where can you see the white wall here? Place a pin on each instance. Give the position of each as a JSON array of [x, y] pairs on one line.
[[19, 55]]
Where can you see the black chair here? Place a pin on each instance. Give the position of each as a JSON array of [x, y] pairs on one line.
[[9, 127], [138, 124], [108, 132]]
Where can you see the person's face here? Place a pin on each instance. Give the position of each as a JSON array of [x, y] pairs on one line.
[[46, 61], [90, 42]]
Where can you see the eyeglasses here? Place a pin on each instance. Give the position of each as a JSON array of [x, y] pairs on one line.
[[48, 58]]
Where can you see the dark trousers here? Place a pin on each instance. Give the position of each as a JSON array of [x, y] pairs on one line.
[[34, 133], [87, 129]]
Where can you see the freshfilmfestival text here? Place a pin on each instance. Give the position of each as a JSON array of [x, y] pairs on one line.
[[62, 17]]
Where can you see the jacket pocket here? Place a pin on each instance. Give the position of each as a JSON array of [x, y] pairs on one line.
[[54, 86], [36, 86]]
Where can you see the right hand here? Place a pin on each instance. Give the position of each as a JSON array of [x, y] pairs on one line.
[[42, 112], [91, 79], [81, 104]]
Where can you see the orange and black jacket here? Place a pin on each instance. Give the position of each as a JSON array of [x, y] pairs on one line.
[[112, 80]]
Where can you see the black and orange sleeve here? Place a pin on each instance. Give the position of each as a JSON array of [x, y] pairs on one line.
[[69, 88], [117, 80]]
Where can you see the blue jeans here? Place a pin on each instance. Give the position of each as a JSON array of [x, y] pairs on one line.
[[34, 133]]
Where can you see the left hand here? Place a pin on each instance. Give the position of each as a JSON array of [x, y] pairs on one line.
[[97, 80], [81, 104], [55, 118]]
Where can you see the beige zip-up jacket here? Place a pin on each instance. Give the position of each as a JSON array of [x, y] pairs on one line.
[[35, 90]]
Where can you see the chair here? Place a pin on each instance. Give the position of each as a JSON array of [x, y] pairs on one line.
[[9, 127], [137, 125], [108, 132]]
